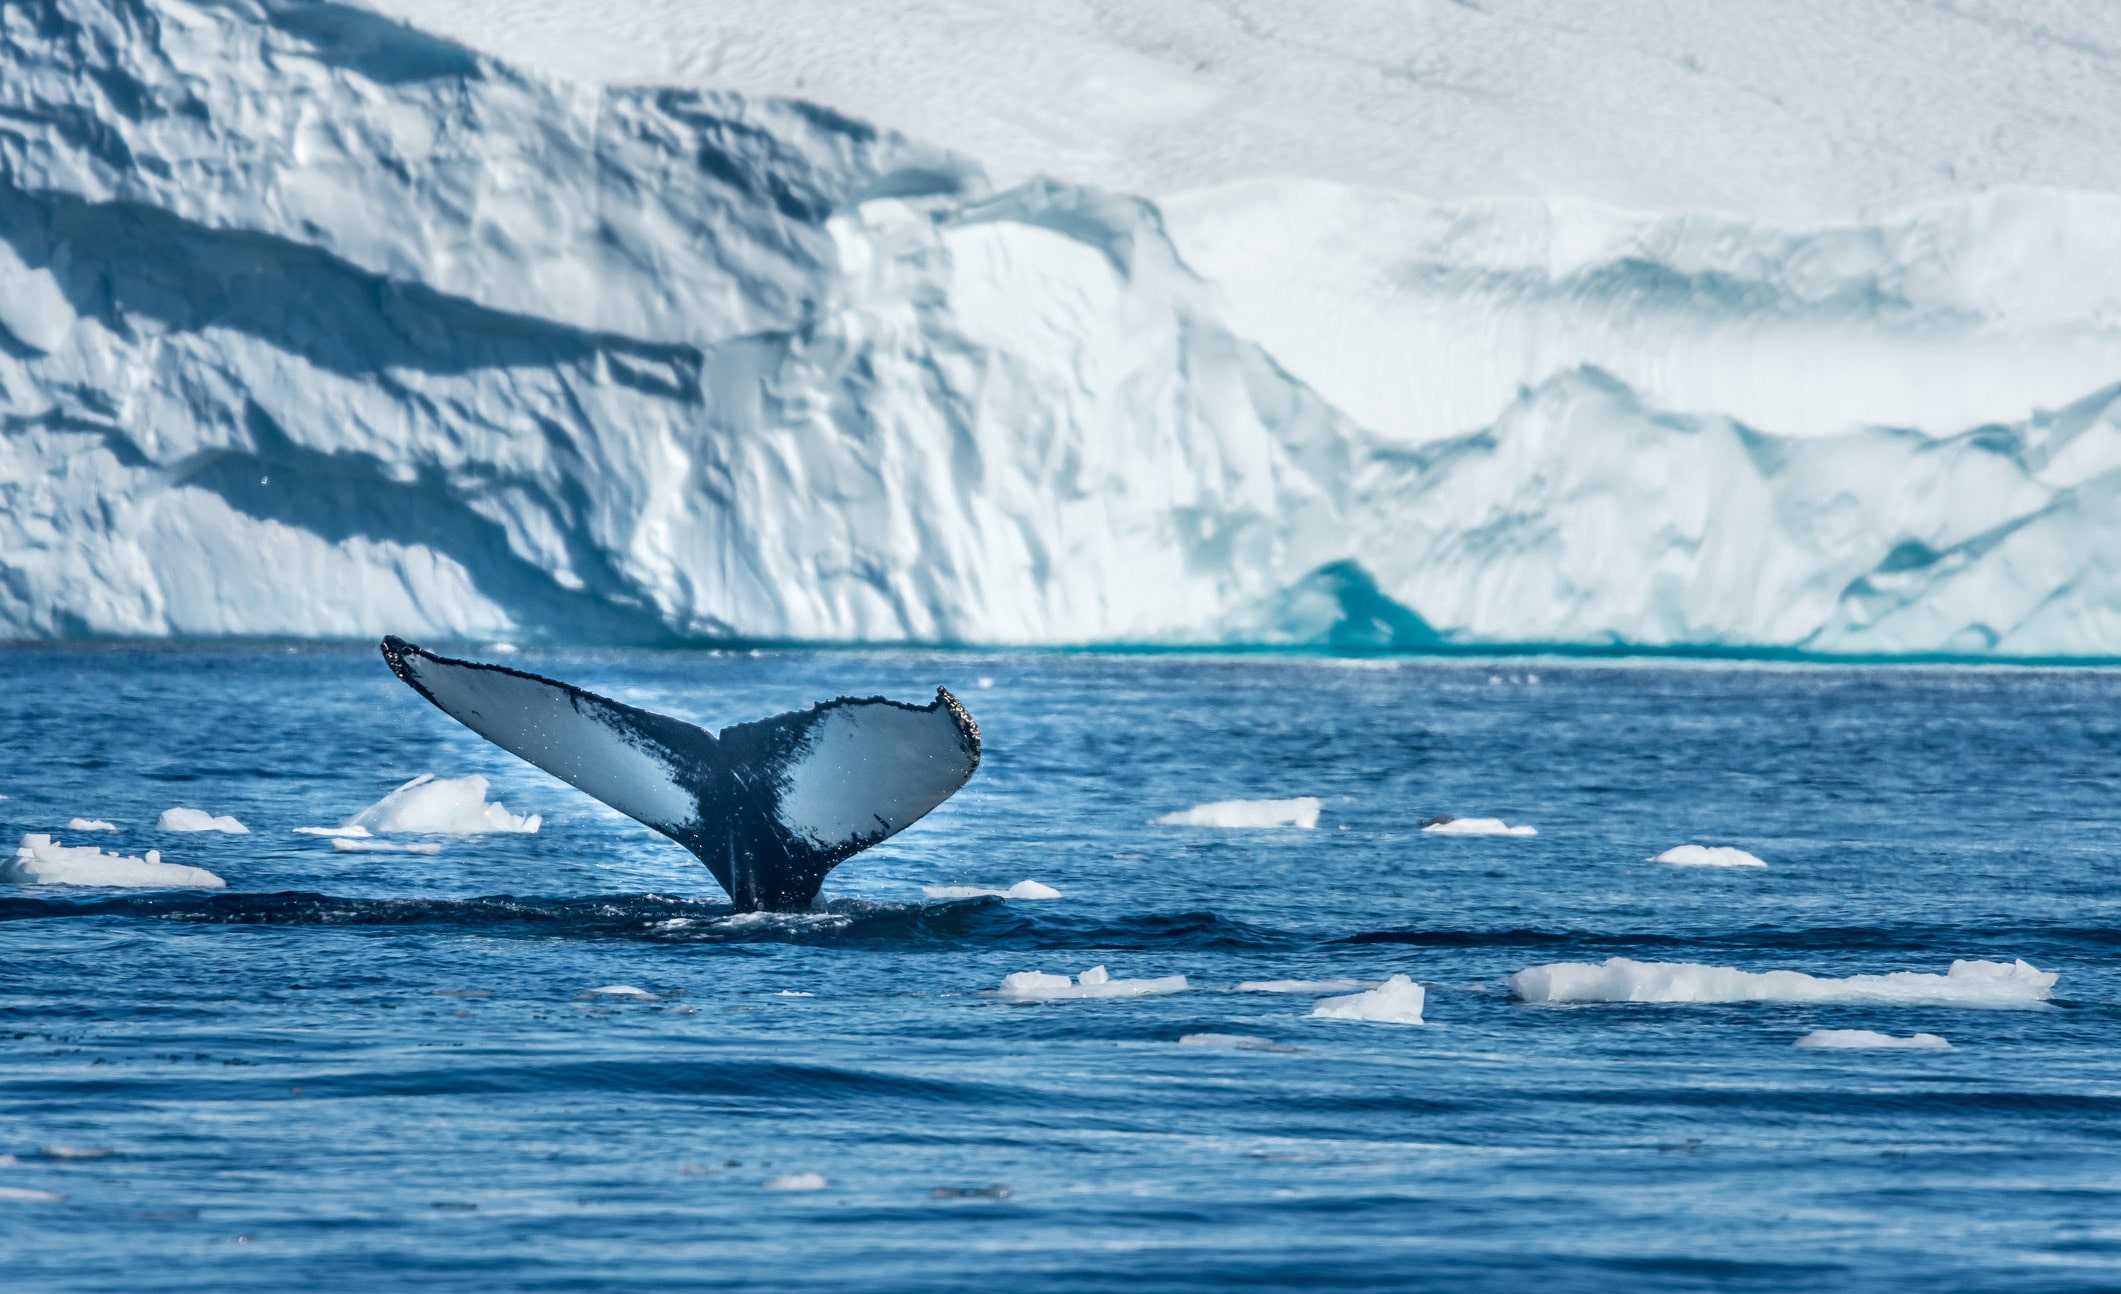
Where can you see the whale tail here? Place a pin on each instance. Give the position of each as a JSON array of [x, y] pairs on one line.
[[770, 806]]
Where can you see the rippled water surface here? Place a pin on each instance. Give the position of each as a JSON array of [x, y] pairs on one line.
[[366, 1071]]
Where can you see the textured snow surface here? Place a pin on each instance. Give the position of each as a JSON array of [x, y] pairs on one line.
[[1301, 811], [1619, 979], [1040, 986], [40, 860], [1707, 856], [1866, 1038], [315, 325], [427, 805], [192, 820], [1396, 1001]]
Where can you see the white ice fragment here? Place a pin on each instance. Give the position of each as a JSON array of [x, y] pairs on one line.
[[1868, 1038], [502, 649], [1305, 985], [1020, 890], [1619, 979], [356, 845], [1302, 811], [24, 1195], [350, 833], [1038, 986], [626, 991], [794, 992], [90, 824], [182, 819], [1396, 1001], [795, 1182], [72, 1153], [1237, 1041], [1707, 856], [985, 681], [1475, 827], [40, 860], [450, 806]]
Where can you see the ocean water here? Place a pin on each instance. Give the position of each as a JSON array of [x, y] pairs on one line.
[[374, 1070]]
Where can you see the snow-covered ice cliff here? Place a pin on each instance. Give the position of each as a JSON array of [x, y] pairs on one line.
[[314, 324]]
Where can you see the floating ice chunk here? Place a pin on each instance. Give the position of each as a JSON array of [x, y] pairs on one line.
[[1236, 1041], [1619, 979], [450, 806], [1037, 986], [1707, 856], [1396, 1001], [627, 991], [795, 1182], [181, 819], [349, 833], [24, 1195], [40, 860], [356, 845], [1448, 826], [502, 648], [1869, 1038], [90, 824], [794, 992], [72, 1153], [1305, 985], [1299, 812], [1020, 890]]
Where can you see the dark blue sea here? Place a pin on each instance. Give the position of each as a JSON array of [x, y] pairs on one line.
[[368, 1071]]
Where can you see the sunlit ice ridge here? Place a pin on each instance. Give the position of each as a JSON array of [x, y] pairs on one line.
[[313, 324]]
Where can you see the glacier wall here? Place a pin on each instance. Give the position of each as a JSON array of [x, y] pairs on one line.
[[313, 325]]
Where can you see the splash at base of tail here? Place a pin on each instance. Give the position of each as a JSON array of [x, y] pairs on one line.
[[770, 807]]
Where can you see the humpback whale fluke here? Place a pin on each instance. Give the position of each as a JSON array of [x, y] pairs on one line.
[[769, 806]]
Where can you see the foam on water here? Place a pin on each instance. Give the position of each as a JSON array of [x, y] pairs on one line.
[[1859, 1038], [449, 806], [90, 824], [192, 820], [1039, 986], [40, 860], [1620, 979], [1707, 856], [1396, 1001], [1301, 811], [1020, 890], [358, 845], [1475, 827], [1305, 985]]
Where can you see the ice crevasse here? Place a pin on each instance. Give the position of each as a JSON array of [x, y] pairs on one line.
[[315, 325]]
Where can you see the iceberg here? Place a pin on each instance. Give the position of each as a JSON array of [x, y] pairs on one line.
[[316, 325], [40, 860], [1396, 1001], [1621, 979], [427, 805]]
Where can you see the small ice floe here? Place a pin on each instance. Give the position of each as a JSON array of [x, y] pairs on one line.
[[90, 824], [1037, 986], [985, 681], [1396, 1001], [1853, 1038], [1234, 1041], [40, 860], [626, 992], [796, 1182], [994, 1192], [24, 1195], [1020, 890], [1707, 856], [71, 1154], [182, 819], [1301, 811], [356, 845], [348, 833], [794, 992], [1305, 985], [1445, 825], [1619, 979], [502, 649], [432, 806]]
